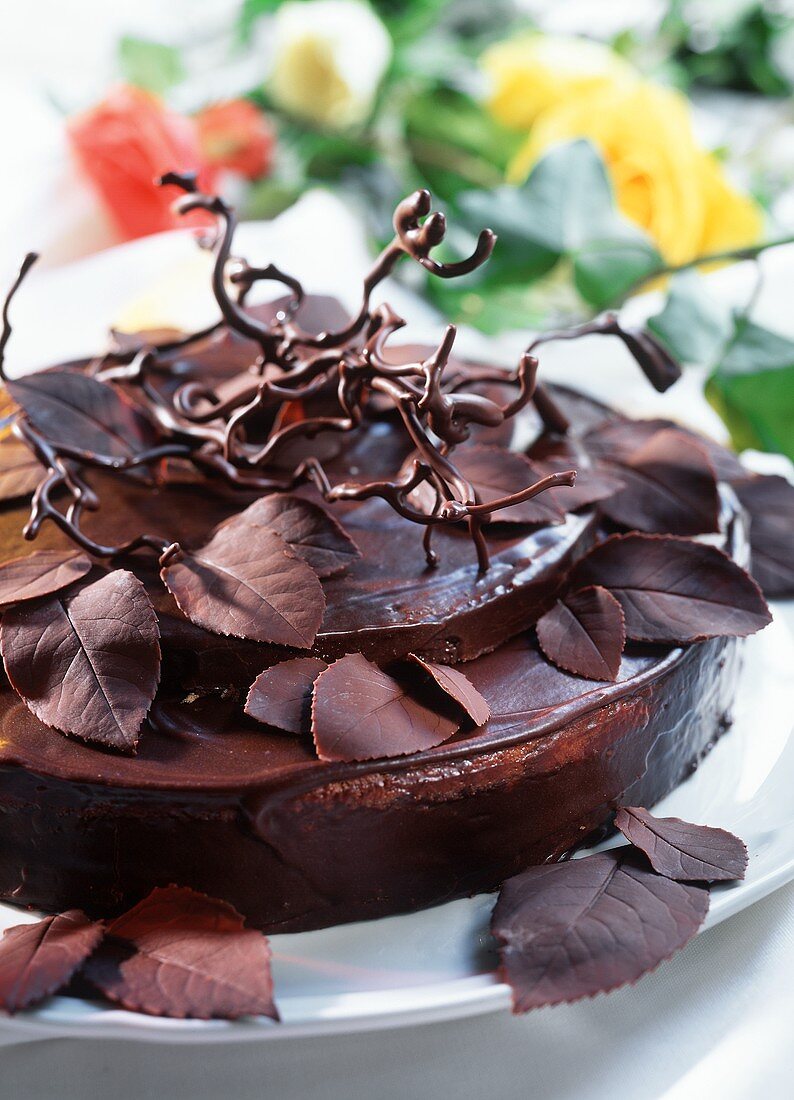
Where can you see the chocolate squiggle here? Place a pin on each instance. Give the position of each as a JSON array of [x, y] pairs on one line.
[[348, 367]]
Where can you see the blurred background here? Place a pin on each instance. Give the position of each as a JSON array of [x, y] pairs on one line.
[[615, 147]]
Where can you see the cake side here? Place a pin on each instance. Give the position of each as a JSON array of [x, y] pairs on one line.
[[321, 850], [295, 843]]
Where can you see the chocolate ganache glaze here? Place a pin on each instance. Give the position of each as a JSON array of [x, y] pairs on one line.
[[454, 750], [238, 810]]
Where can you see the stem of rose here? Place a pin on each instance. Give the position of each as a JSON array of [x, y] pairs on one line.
[[731, 255]]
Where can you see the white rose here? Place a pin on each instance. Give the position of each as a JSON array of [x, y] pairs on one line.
[[328, 59]]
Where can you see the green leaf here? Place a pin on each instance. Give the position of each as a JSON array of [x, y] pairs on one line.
[[565, 209], [249, 14], [747, 43], [519, 250], [268, 198], [491, 309], [408, 22], [757, 409], [568, 198], [324, 155], [605, 271], [449, 118], [756, 348], [692, 325], [752, 389], [150, 65]]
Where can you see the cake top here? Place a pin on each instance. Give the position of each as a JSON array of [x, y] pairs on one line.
[[238, 432], [335, 446]]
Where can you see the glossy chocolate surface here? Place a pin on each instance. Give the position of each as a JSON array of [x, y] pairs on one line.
[[252, 817], [218, 802], [387, 604]]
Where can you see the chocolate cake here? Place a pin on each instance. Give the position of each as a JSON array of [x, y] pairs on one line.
[[235, 664]]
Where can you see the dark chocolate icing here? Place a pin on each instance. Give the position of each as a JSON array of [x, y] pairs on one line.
[[248, 813], [387, 604], [235, 811], [238, 810]]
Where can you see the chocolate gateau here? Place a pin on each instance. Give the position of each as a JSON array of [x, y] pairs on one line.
[[322, 625]]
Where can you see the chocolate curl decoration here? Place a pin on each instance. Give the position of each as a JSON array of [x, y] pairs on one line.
[[62, 464], [346, 368], [24, 268], [414, 239], [415, 388], [64, 477], [654, 360], [428, 412], [234, 315]]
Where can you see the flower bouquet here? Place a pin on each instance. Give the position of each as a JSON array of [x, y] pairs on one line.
[[591, 172]]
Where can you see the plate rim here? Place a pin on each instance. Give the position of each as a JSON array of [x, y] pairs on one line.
[[455, 999]]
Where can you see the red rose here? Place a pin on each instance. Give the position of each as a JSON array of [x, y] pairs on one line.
[[237, 136], [123, 144]]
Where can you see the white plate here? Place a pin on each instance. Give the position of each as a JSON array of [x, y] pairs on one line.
[[437, 964]]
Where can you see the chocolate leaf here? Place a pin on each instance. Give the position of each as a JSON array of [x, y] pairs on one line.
[[592, 486], [770, 502], [40, 574], [20, 471], [725, 463], [585, 926], [495, 473], [317, 312], [74, 410], [360, 712], [669, 488], [618, 440], [313, 535], [130, 343], [551, 454], [282, 695], [682, 851], [38, 959], [674, 590], [245, 582], [182, 954], [555, 452], [87, 662], [585, 633], [458, 687]]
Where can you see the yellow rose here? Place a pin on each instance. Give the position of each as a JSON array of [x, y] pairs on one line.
[[732, 219], [663, 180], [531, 73]]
